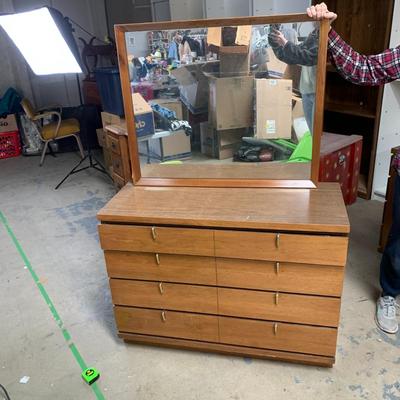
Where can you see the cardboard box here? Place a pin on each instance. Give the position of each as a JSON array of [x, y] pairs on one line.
[[193, 84], [112, 119], [231, 102], [220, 144], [173, 147], [276, 68], [234, 64], [144, 118], [273, 108], [172, 104], [8, 124], [101, 137]]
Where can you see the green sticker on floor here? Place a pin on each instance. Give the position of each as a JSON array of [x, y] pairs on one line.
[[56, 316]]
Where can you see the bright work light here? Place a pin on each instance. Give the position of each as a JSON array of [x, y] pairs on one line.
[[40, 41]]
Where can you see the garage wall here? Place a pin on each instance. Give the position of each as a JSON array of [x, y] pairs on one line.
[[53, 89], [389, 130]]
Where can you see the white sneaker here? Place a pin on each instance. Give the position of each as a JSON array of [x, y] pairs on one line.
[[385, 316]]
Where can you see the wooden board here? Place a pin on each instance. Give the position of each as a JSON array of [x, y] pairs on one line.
[[165, 240], [276, 355], [167, 323], [284, 277], [286, 337], [309, 249], [164, 296], [299, 210], [161, 267], [275, 306]]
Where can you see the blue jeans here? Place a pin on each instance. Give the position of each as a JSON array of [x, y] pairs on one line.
[[308, 108], [390, 264]]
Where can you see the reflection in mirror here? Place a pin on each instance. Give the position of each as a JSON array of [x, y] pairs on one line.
[[231, 102]]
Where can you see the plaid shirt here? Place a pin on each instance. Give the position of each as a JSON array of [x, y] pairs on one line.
[[365, 70], [360, 69]]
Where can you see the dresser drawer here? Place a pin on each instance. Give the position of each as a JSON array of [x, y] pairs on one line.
[[113, 143], [157, 240], [280, 276], [117, 165], [167, 323], [326, 250], [161, 267], [167, 296], [301, 309], [278, 336]]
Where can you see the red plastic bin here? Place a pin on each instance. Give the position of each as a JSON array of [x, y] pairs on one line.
[[10, 145]]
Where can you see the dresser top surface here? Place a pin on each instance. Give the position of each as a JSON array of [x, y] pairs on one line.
[[318, 210]]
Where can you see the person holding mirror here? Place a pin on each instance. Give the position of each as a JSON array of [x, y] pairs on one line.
[[306, 55], [373, 70]]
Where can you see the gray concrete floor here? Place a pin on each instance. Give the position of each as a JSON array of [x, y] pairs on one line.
[[57, 230]]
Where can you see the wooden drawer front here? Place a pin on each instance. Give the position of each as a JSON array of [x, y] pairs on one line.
[[118, 181], [117, 165], [167, 296], [280, 276], [113, 143], [326, 250], [278, 336], [161, 267], [301, 309], [167, 323], [158, 240]]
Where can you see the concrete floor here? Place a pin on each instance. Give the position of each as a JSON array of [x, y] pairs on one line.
[[57, 230]]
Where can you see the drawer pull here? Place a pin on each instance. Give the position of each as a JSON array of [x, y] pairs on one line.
[[276, 298], [158, 259], [153, 233], [277, 267], [275, 328], [163, 316], [160, 287], [278, 240]]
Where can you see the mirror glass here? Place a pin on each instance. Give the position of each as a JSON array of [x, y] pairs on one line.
[[233, 102]]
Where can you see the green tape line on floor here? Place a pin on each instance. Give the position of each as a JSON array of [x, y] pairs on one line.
[[46, 297]]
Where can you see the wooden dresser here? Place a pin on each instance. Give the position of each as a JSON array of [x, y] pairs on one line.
[[117, 145], [255, 272]]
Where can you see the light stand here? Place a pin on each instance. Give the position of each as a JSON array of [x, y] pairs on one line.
[[93, 161], [45, 39]]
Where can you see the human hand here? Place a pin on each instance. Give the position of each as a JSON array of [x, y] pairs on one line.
[[277, 38], [320, 12]]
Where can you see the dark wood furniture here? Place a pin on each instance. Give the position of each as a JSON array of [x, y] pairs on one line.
[[388, 207], [256, 272], [352, 109]]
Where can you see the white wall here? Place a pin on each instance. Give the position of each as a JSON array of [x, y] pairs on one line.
[[136, 44], [389, 131], [186, 9], [227, 8], [267, 7]]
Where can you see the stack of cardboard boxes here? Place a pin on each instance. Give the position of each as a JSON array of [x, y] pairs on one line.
[[231, 93]]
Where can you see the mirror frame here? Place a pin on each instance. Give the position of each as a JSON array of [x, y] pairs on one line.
[[137, 179]]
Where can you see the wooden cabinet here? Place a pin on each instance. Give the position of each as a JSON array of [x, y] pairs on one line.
[[117, 147], [206, 275], [354, 109]]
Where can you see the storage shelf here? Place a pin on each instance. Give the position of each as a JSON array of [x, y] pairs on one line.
[[350, 109]]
